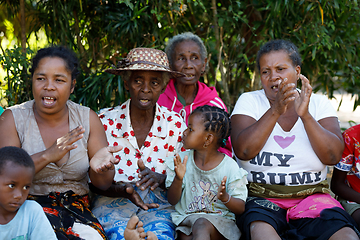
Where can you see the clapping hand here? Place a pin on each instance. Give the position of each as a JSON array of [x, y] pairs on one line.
[[180, 168], [222, 195], [302, 100]]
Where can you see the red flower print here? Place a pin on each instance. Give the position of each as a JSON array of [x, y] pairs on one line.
[[177, 115], [122, 116], [150, 134], [138, 170], [166, 146], [158, 117], [153, 169], [111, 122], [132, 133], [111, 109], [171, 133], [123, 106], [118, 157], [138, 155], [183, 149], [115, 144], [178, 124], [169, 118], [131, 178], [120, 171], [161, 160], [129, 163], [118, 126], [159, 129], [164, 171], [147, 144], [51, 211], [126, 150], [105, 127], [179, 139], [101, 116], [113, 134], [156, 149], [125, 134], [149, 159], [171, 148]]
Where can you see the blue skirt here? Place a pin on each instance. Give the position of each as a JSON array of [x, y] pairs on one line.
[[114, 213]]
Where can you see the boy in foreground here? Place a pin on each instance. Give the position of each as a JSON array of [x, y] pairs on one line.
[[20, 219]]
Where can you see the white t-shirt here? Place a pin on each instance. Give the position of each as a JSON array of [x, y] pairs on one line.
[[29, 223], [287, 158]]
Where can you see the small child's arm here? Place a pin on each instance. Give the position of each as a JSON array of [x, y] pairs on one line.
[[235, 205], [341, 188], [175, 190]]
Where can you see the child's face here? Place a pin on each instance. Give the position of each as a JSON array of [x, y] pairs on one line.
[[195, 135], [15, 182]]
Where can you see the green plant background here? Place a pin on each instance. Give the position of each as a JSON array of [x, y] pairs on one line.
[[101, 32]]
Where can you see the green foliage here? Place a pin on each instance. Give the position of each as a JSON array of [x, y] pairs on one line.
[[327, 33], [15, 63]]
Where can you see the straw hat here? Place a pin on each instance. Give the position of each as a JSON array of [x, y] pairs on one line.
[[147, 59]]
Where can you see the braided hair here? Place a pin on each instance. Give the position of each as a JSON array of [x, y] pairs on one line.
[[216, 120]]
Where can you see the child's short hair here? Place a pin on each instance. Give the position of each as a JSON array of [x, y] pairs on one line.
[[15, 155], [217, 120]]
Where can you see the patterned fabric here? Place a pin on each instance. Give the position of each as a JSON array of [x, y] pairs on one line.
[[163, 140], [144, 59], [350, 161], [280, 191], [200, 187], [63, 209], [114, 213]]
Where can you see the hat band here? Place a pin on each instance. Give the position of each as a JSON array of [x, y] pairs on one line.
[[125, 63]]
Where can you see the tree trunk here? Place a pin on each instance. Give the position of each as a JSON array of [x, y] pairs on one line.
[[219, 47]]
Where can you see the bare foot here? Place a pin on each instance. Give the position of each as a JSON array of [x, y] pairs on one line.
[[134, 230], [151, 236]]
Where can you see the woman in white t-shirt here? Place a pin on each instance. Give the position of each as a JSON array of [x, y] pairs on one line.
[[285, 138]]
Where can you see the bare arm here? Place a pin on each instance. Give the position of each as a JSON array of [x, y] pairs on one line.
[[102, 162], [340, 188], [325, 135], [175, 190], [248, 136], [54, 153], [235, 205]]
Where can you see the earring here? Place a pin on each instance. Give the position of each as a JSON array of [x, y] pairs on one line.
[[205, 146]]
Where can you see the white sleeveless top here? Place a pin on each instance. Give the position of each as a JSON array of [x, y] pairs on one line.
[[72, 175]]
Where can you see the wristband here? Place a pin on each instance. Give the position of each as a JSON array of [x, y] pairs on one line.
[[227, 200]]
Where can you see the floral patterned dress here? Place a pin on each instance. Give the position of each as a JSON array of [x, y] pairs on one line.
[[163, 140]]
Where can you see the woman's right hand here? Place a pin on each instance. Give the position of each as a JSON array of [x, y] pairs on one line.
[[64, 144], [285, 95]]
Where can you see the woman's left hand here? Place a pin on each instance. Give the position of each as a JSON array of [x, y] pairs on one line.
[[103, 160], [149, 178], [302, 100]]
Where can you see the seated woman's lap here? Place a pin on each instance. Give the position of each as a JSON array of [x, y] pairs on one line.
[[260, 209], [114, 213]]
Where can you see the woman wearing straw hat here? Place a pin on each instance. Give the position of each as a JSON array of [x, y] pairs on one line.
[[148, 133]]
